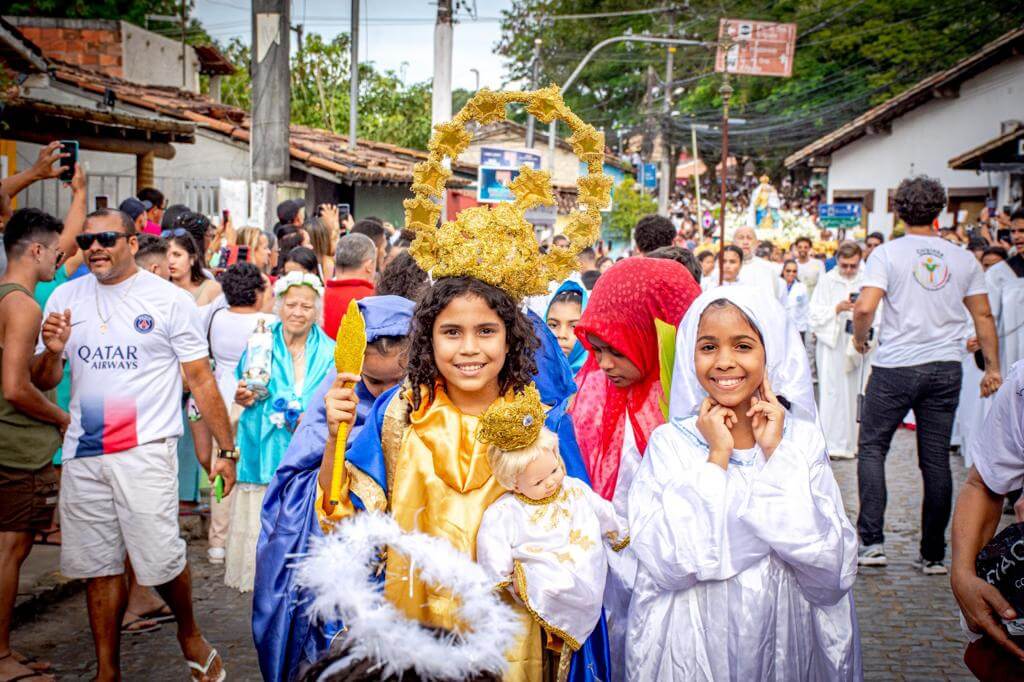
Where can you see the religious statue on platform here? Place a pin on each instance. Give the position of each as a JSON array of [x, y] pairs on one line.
[[764, 205]]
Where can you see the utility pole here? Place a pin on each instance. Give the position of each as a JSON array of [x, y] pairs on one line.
[[666, 162], [184, 53], [649, 126], [531, 123], [353, 78], [726, 92], [271, 105], [441, 95], [696, 175]]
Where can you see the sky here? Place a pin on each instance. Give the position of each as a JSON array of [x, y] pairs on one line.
[[393, 34]]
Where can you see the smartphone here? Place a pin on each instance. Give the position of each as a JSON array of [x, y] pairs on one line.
[[102, 201], [1003, 234], [849, 330], [225, 216], [854, 296], [990, 204], [243, 254], [343, 211], [69, 147]]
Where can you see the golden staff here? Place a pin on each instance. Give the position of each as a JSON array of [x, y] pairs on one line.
[[348, 358]]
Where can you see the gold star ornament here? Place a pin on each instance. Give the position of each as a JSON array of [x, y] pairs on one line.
[[449, 139], [429, 178], [532, 188], [496, 244]]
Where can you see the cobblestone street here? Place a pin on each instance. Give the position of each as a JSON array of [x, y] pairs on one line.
[[908, 621]]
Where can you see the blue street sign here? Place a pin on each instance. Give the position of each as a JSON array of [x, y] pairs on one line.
[[649, 176], [836, 216]]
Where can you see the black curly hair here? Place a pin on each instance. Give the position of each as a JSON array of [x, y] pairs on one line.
[[519, 366], [403, 277], [242, 283], [919, 201]]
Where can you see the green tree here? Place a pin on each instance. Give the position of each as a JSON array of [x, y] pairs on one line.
[[389, 110], [630, 205], [850, 55]]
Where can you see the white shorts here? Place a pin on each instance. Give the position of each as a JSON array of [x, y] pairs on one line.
[[127, 500]]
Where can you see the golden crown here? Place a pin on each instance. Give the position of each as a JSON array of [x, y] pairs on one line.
[[497, 244], [515, 422]]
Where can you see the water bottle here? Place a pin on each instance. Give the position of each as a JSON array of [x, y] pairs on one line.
[[257, 360]]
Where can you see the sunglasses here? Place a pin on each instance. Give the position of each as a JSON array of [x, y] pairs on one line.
[[106, 239], [176, 232]]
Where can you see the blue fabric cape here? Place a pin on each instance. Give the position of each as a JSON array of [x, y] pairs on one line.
[[578, 354], [285, 638]]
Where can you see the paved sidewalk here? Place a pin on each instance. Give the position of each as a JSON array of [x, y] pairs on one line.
[[908, 621]]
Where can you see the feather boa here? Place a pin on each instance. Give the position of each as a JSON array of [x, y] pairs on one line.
[[339, 570]]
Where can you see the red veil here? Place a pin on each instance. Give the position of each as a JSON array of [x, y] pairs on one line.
[[621, 311]]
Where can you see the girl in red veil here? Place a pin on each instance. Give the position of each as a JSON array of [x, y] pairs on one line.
[[619, 396]]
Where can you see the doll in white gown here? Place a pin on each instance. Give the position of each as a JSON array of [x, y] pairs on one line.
[[547, 537], [746, 555]]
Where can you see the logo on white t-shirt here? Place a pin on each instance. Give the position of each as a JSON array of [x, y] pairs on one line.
[[931, 271], [144, 324]]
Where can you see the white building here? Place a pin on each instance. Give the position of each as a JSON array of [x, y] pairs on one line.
[[922, 130]]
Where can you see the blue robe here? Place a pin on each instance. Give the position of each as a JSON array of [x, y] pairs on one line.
[[283, 634], [578, 354]]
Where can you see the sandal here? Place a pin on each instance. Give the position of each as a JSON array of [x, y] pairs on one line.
[[194, 668], [43, 537], [32, 662], [32, 674], [160, 615], [139, 625]]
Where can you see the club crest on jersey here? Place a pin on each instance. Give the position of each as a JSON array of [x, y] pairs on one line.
[[144, 324]]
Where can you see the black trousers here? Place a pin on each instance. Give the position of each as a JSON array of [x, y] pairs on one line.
[[932, 390]]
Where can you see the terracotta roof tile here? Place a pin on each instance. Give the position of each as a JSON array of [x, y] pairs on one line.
[[371, 162]]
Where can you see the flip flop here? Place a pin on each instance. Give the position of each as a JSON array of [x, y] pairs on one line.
[[136, 626], [194, 668], [160, 615], [43, 537], [26, 676], [32, 662]]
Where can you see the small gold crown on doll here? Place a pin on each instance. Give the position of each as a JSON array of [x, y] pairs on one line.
[[515, 422], [497, 244]]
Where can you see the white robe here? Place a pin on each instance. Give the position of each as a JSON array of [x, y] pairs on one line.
[[1006, 297], [810, 273], [745, 573], [553, 552], [839, 371]]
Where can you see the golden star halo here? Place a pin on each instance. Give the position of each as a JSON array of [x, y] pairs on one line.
[[497, 244]]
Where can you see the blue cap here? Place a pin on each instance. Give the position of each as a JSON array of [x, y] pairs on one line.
[[133, 207], [386, 316]]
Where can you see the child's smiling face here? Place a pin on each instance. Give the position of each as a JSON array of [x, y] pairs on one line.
[[729, 356]]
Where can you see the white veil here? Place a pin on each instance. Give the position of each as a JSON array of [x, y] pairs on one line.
[[788, 369]]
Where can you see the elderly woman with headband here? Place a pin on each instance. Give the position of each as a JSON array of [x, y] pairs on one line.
[[302, 355]]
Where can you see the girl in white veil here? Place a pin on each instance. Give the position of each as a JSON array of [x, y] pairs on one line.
[[746, 556]]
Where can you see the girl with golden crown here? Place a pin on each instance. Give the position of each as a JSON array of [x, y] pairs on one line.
[[418, 457]]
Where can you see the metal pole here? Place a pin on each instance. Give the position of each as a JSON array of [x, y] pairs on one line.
[[184, 60], [531, 123], [476, 73], [696, 176], [353, 87], [666, 163], [726, 92]]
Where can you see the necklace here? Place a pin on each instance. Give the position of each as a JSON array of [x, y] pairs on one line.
[[104, 321]]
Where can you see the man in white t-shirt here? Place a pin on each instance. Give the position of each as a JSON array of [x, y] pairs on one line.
[[997, 451], [808, 268], [926, 282], [132, 336]]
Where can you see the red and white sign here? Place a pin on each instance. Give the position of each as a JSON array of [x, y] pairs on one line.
[[757, 48]]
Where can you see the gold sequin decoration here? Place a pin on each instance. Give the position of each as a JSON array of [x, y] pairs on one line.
[[496, 244], [515, 422]]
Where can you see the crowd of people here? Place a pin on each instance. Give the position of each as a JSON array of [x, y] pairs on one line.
[[634, 457]]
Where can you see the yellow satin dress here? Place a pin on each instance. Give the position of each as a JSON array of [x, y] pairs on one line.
[[440, 483]]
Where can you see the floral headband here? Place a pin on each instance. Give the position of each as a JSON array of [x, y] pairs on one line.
[[297, 279]]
